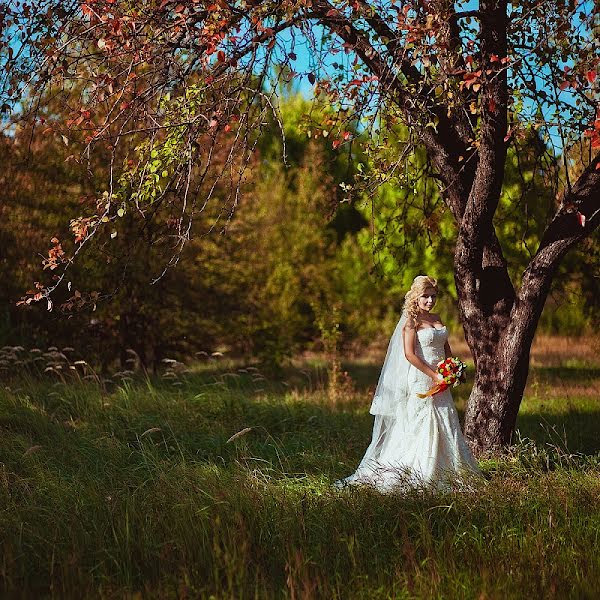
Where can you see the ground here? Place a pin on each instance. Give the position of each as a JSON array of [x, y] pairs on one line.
[[215, 480]]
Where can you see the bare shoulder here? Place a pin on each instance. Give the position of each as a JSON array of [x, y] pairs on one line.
[[410, 324]]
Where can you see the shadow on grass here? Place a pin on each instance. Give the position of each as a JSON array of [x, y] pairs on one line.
[[576, 431], [283, 424], [568, 374], [148, 482]]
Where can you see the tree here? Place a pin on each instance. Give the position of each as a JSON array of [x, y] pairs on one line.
[[254, 291], [410, 234], [176, 80]]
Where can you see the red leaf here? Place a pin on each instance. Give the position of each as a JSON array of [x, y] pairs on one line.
[[594, 134], [492, 105], [591, 76], [564, 85], [470, 78], [336, 144], [581, 218], [346, 135], [312, 78], [221, 56]]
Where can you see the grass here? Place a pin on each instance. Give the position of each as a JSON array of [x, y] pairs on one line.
[[141, 488]]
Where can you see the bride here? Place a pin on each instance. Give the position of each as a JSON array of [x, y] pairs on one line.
[[415, 440]]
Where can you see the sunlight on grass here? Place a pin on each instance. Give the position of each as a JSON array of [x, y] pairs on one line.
[[222, 485]]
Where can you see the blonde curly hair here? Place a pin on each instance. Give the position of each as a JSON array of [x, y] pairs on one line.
[[419, 285]]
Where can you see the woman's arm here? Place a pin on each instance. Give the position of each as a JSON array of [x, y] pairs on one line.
[[409, 334]]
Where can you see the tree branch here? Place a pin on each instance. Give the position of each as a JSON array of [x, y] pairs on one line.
[[477, 239], [442, 146], [563, 232]]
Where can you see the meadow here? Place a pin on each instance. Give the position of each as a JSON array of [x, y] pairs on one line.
[[212, 480]]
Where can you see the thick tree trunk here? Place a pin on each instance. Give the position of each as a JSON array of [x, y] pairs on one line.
[[500, 379], [500, 325]]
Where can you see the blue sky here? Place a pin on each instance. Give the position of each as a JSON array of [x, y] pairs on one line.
[[305, 63]]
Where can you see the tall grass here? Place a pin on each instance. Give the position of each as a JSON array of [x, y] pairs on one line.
[[215, 483]]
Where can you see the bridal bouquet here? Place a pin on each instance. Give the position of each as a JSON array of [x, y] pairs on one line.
[[451, 369]]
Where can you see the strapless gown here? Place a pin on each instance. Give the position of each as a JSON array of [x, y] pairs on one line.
[[424, 447]]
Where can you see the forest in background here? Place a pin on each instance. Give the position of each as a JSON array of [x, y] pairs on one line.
[[297, 266]]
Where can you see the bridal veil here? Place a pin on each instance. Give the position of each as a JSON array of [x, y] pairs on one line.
[[390, 408]]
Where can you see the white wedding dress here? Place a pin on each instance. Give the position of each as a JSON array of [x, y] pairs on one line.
[[416, 441]]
